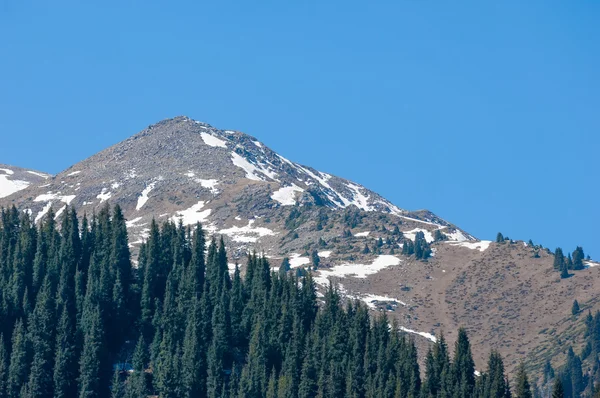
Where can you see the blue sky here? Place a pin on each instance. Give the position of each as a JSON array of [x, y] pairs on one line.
[[485, 112]]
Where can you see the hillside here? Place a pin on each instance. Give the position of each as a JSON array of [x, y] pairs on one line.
[[186, 171]]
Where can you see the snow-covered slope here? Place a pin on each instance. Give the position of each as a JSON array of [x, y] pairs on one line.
[[14, 179]]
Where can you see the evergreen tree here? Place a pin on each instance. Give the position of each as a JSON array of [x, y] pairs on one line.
[[18, 369], [65, 368], [499, 238], [559, 259], [557, 389], [575, 308], [42, 341], [315, 259], [136, 385], [578, 257], [3, 367], [90, 379], [522, 387]]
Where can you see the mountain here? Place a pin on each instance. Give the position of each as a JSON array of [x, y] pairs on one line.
[[237, 186], [506, 294]]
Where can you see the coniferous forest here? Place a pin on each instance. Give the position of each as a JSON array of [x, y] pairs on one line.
[[79, 320]]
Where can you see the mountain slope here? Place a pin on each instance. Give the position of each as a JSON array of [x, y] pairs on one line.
[[186, 171], [183, 169]]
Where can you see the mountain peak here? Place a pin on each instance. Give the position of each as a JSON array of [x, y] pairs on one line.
[[180, 168]]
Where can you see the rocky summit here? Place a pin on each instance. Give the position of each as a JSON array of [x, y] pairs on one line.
[[424, 271]]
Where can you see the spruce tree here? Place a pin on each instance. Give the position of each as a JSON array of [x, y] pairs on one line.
[[90, 379], [18, 369], [3, 367], [65, 361], [557, 389], [42, 340], [522, 387], [575, 308]]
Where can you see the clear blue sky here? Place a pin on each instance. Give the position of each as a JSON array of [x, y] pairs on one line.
[[485, 112]]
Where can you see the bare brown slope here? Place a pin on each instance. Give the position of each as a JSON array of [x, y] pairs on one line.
[[505, 298]]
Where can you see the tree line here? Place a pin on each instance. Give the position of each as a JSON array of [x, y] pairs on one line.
[[79, 320]]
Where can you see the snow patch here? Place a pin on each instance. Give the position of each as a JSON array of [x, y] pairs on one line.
[[35, 173], [43, 212], [325, 254], [74, 173], [286, 195], [413, 233], [213, 141], [104, 195], [59, 212], [590, 264], [52, 196], [296, 260], [481, 245], [210, 184], [428, 336], [370, 300], [192, 215], [360, 200], [132, 223], [457, 236], [144, 196], [248, 167], [248, 233], [357, 270], [8, 171], [362, 234], [8, 187]]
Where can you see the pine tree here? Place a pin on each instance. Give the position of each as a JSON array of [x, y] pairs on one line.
[[285, 266], [578, 257], [564, 273], [116, 387], [136, 385], [499, 238], [522, 388], [65, 368], [575, 308], [559, 259], [42, 340], [463, 367], [557, 389], [90, 379], [18, 369], [3, 367], [315, 259]]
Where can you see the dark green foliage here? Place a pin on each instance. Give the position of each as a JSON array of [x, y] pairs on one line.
[[420, 248], [564, 271], [522, 386], [557, 389], [439, 236], [578, 257], [315, 259], [366, 249], [559, 259], [548, 372], [575, 308], [73, 306], [499, 238]]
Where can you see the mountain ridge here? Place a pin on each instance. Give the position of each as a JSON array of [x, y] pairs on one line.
[[181, 170]]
